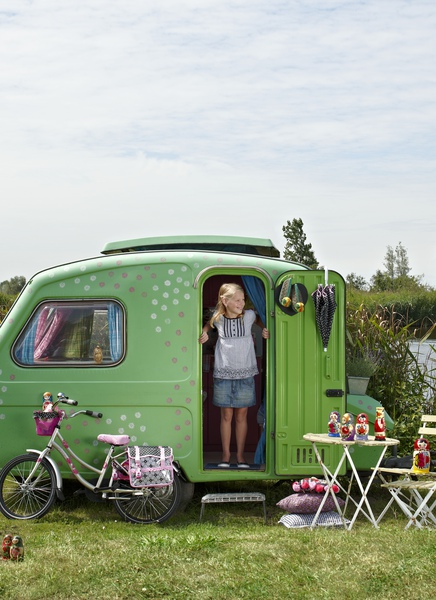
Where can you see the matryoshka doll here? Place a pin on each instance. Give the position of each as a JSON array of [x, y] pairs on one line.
[[347, 427], [6, 547], [17, 548], [421, 456], [379, 424], [362, 427], [47, 405], [335, 424]]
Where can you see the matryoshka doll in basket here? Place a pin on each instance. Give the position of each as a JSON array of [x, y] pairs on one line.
[[347, 427], [334, 424], [421, 456], [379, 424], [47, 402], [362, 427]]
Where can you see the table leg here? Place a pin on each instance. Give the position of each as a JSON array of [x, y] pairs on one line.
[[391, 500], [364, 491], [423, 511], [331, 480]]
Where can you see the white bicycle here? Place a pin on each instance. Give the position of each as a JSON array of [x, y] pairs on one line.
[[30, 483]]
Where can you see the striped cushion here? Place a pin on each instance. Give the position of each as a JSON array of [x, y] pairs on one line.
[[325, 519]]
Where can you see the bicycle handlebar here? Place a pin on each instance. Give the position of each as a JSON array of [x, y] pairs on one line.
[[65, 400], [90, 413], [95, 415]]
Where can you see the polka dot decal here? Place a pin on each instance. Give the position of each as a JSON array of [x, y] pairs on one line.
[[162, 322]]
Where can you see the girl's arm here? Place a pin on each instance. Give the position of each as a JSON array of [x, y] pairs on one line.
[[204, 334]]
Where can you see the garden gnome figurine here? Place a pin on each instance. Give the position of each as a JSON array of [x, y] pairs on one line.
[[421, 456], [362, 427], [335, 424], [347, 427], [379, 424], [6, 547], [17, 548]]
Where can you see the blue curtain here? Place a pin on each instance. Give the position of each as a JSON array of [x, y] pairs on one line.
[[115, 323], [256, 291], [25, 351], [259, 457]]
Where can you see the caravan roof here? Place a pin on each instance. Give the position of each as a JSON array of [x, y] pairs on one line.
[[233, 244]]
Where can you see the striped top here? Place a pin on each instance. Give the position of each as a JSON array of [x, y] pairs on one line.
[[235, 357]]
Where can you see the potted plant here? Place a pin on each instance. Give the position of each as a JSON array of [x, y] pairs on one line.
[[360, 366]]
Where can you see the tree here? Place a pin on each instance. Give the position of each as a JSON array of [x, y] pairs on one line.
[[396, 262], [389, 263], [401, 261], [356, 281], [296, 249], [13, 286], [396, 276]]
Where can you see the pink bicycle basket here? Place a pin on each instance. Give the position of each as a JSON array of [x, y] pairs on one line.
[[46, 422]]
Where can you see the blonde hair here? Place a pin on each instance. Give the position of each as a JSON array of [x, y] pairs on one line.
[[227, 290]]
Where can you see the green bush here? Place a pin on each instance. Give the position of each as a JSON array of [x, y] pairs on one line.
[[6, 302], [417, 307], [401, 384]]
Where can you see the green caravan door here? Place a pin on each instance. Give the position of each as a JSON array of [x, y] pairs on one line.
[[310, 382]]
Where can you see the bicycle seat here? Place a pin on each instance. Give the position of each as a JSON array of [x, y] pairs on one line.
[[115, 440]]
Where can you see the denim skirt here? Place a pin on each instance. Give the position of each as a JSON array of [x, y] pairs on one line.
[[234, 393]]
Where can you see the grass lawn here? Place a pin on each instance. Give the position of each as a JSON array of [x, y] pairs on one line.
[[81, 550]]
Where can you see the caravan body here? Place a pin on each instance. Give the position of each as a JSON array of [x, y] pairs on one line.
[[119, 333]]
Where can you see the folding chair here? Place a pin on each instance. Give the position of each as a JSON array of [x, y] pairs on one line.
[[414, 491]]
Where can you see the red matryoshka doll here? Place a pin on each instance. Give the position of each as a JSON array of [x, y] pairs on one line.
[[6, 547], [421, 456], [17, 548], [47, 405], [347, 427], [379, 424], [362, 427], [335, 424]]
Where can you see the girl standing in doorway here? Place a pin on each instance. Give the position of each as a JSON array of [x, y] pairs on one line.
[[235, 366]]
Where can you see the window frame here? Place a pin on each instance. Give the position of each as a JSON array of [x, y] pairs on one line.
[[94, 303]]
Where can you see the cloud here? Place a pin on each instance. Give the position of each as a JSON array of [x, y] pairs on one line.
[[181, 110]]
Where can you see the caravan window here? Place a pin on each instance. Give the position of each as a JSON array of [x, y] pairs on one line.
[[72, 333]]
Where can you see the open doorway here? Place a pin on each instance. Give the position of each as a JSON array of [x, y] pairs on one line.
[[254, 446]]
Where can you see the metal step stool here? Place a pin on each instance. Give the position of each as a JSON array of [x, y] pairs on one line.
[[232, 497]]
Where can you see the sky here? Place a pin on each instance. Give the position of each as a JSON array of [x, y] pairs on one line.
[[122, 120]]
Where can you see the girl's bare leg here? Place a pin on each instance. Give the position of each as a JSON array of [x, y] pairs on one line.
[[241, 432], [226, 432]]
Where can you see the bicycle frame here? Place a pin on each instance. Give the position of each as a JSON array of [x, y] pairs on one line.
[[29, 483], [71, 458]]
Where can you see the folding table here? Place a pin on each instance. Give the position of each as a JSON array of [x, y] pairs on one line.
[[363, 504]]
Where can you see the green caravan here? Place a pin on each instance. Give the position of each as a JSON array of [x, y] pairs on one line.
[[119, 334]]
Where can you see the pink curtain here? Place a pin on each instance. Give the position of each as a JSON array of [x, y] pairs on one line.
[[50, 322]]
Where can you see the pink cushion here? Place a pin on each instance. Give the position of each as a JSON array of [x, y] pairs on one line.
[[307, 503]]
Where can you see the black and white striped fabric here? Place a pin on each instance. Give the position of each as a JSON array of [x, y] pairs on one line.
[[325, 519]]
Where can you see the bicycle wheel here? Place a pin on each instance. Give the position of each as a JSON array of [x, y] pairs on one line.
[[148, 505], [22, 497]]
